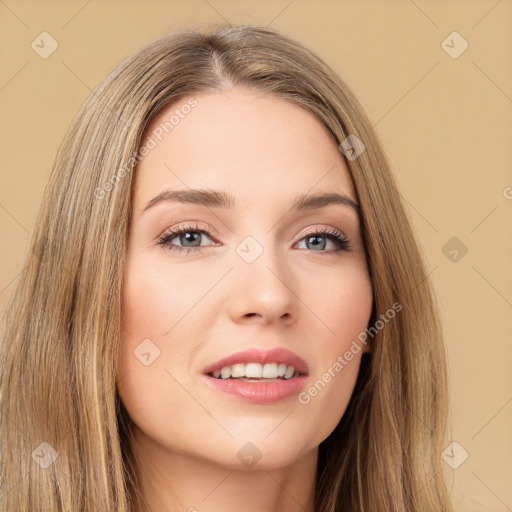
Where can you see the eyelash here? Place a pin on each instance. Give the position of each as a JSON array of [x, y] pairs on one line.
[[331, 234]]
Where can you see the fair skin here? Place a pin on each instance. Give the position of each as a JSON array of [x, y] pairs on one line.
[[300, 294]]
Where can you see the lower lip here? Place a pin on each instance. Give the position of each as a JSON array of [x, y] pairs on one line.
[[258, 392]]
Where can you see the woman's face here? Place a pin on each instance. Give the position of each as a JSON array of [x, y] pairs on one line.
[[255, 273]]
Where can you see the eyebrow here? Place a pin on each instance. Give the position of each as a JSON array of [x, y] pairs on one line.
[[215, 199]]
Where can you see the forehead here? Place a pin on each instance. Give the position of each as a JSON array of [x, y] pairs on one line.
[[256, 146]]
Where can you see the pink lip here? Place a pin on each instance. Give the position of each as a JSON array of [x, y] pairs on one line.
[[255, 355], [257, 391]]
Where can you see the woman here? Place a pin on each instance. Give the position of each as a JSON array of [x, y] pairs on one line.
[[224, 306]]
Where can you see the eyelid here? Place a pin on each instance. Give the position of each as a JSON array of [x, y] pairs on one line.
[[189, 225], [337, 236], [315, 229], [333, 234]]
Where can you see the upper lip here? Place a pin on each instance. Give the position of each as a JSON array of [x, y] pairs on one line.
[[256, 355]]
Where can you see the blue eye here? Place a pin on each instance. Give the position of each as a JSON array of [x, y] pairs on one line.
[[187, 235], [191, 236], [315, 238]]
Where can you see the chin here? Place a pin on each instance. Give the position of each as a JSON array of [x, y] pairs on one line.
[[260, 453]]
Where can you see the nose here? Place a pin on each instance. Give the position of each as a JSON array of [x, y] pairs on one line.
[[263, 291]]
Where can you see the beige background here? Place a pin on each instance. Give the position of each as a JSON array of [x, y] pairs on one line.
[[445, 122]]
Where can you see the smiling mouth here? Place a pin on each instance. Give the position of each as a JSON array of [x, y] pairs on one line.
[[256, 372], [266, 382]]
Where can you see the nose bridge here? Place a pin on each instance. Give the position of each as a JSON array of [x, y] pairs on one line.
[[262, 279]]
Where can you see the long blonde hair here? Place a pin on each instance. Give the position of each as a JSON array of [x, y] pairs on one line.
[[65, 435]]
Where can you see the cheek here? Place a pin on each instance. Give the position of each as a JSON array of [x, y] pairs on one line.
[[344, 307], [159, 299], [157, 313], [152, 300]]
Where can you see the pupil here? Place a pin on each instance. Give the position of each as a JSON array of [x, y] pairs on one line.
[[317, 238], [189, 237]]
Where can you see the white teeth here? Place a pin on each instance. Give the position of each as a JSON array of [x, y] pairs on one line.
[[289, 372], [281, 370], [270, 371], [253, 370], [256, 371], [238, 370]]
